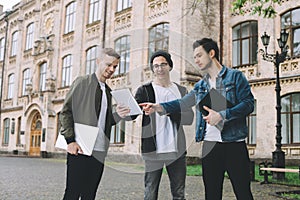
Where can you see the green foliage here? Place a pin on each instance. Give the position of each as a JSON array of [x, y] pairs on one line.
[[263, 8]]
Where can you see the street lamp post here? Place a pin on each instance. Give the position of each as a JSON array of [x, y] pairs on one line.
[[278, 156]]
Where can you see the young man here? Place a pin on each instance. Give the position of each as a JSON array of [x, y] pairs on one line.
[[89, 102], [163, 139], [223, 132]]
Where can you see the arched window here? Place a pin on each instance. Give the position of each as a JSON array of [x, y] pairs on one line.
[[91, 57], [11, 85], [290, 118], [66, 71], [158, 38], [5, 139], [290, 21], [2, 43], [29, 36], [43, 72], [94, 10], [70, 18], [14, 43], [244, 44], [26, 80], [122, 46]]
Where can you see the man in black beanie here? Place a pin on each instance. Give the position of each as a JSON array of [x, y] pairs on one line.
[[163, 139]]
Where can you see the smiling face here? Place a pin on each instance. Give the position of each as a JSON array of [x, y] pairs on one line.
[[106, 67], [203, 59], [161, 68]]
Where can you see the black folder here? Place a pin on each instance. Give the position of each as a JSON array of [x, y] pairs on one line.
[[214, 100]]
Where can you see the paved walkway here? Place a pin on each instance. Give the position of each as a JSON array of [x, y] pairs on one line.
[[44, 179]]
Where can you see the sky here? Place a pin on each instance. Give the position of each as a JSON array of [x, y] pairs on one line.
[[8, 4]]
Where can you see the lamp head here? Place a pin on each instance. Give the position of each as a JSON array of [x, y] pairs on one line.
[[265, 38]]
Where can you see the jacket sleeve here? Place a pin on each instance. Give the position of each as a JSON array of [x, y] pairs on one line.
[[66, 116], [185, 116]]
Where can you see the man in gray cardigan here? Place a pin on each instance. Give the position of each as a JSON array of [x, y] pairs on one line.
[[89, 102]]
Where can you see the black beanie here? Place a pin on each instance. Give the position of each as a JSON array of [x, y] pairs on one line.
[[164, 54]]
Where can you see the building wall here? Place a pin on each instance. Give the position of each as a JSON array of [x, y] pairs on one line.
[[186, 25]]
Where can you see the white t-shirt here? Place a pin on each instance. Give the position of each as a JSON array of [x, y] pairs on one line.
[[166, 131], [212, 134], [101, 141]]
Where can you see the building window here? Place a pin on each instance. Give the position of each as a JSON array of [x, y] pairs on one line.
[[158, 38], [6, 131], [26, 80], [29, 36], [122, 46], [290, 118], [94, 11], [11, 83], [244, 44], [14, 43], [67, 71], [91, 57], [291, 22], [117, 135], [2, 43], [123, 4], [70, 17], [43, 72], [251, 122]]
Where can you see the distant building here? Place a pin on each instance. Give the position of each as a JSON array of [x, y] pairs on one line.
[[46, 44]]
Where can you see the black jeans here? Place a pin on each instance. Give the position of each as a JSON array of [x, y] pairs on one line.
[[177, 174], [83, 177], [231, 157]]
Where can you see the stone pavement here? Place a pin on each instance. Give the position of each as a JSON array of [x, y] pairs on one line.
[[44, 179]]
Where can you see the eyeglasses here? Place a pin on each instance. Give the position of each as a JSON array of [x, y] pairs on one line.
[[162, 66]]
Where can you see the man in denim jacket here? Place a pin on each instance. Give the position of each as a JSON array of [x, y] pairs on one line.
[[223, 132]]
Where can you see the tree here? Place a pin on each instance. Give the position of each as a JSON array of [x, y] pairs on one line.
[[263, 8]]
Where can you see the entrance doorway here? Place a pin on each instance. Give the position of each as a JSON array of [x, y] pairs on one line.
[[35, 136]]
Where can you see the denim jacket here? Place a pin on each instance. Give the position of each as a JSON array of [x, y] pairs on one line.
[[234, 86]]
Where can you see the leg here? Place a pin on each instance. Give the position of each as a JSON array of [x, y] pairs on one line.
[[153, 171], [213, 170], [74, 177], [238, 168], [177, 174], [92, 179]]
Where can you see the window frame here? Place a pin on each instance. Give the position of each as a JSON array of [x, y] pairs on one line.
[[91, 59], [14, 43], [11, 85], [158, 43], [95, 11], [289, 114], [2, 47], [241, 40], [70, 17], [25, 80], [66, 75], [290, 28], [6, 128], [123, 49], [42, 76], [29, 36], [123, 4]]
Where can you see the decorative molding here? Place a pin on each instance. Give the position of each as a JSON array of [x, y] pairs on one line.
[[157, 8], [93, 30], [123, 19]]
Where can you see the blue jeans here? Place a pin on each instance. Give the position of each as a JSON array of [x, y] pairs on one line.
[[176, 171]]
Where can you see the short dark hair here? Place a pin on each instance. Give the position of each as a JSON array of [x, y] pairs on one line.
[[207, 44], [109, 52]]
